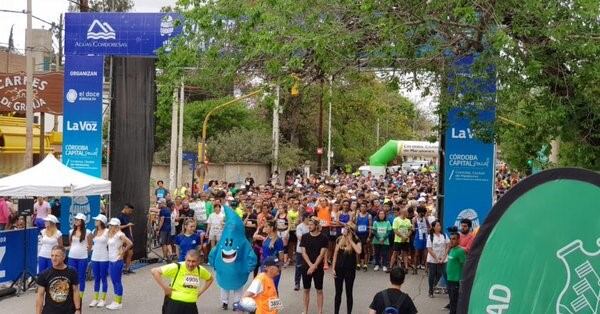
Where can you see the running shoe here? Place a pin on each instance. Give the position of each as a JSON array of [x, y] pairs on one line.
[[357, 266], [385, 269], [296, 287], [376, 268], [365, 268], [94, 303], [101, 303], [114, 306], [224, 307]]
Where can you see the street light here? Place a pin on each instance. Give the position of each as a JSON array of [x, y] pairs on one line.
[[205, 126]]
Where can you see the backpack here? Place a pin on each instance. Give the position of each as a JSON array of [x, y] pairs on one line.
[[431, 237], [388, 306]]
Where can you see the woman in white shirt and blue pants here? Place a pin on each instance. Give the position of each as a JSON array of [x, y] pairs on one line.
[[78, 252]]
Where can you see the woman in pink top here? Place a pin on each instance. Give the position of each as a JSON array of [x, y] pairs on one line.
[[41, 209]]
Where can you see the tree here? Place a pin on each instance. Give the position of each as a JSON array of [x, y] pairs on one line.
[[543, 54]]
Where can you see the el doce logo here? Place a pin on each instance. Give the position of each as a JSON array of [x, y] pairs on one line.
[[581, 293], [100, 30]]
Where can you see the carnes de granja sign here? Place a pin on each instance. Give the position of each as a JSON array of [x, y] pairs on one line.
[[47, 92]]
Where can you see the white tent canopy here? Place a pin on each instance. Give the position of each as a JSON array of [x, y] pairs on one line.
[[51, 178]]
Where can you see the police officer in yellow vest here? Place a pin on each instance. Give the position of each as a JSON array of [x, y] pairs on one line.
[[262, 289], [184, 290]]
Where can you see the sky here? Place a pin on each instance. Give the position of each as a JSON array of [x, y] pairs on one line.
[[50, 11]]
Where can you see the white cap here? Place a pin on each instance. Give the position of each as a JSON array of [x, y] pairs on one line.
[[421, 200], [101, 218], [81, 216], [114, 222], [51, 218]]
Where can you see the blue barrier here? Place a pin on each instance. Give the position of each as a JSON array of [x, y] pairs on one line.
[[12, 253]]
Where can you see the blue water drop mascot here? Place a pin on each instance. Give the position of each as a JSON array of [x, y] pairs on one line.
[[232, 258]]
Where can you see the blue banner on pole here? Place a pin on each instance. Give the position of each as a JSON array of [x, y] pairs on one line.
[[82, 121], [469, 162], [82, 131], [119, 34], [13, 259]]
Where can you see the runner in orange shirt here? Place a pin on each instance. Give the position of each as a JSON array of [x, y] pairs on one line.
[[324, 216]]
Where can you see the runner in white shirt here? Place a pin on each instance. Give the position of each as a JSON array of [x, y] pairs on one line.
[[117, 244], [100, 260], [216, 220], [78, 252]]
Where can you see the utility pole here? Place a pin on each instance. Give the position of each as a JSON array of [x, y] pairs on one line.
[[329, 127], [320, 134], [59, 60], [173, 159], [377, 132], [275, 163], [83, 6], [28, 160], [180, 136]]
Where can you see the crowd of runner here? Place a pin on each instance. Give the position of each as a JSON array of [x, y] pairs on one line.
[[343, 224]]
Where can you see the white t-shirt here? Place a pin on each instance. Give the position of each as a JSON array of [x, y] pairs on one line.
[[47, 243], [216, 222], [301, 230], [115, 246], [100, 247], [78, 250], [199, 211], [439, 247], [256, 287]]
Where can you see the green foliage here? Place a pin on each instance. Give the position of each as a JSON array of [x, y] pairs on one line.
[[544, 54], [236, 115], [240, 145]]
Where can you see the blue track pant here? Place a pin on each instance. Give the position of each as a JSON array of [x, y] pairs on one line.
[[100, 270], [81, 266], [115, 269]]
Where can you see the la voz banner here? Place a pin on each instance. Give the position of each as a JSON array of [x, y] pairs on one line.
[[82, 131], [469, 162], [119, 34], [12, 255], [82, 121]]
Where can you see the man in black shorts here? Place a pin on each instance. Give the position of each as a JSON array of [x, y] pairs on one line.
[[314, 246]]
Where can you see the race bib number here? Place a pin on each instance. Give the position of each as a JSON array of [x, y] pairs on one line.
[[275, 304], [323, 223], [382, 230], [362, 228], [192, 282]]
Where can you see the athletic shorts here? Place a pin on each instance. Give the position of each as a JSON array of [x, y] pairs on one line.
[[363, 238], [420, 244], [317, 276], [164, 238], [402, 247], [214, 237], [285, 234], [178, 307]]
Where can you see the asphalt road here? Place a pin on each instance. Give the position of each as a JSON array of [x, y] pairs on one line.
[[142, 295]]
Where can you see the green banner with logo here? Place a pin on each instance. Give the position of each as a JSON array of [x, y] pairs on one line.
[[539, 249]]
